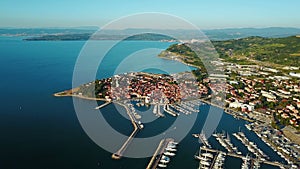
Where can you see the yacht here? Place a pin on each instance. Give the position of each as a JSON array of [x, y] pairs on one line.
[[246, 163], [202, 158], [162, 165], [256, 164], [207, 155], [196, 135], [171, 146], [171, 149], [174, 143], [205, 163], [169, 154]]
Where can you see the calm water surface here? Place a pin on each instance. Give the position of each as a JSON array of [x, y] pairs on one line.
[[40, 131]]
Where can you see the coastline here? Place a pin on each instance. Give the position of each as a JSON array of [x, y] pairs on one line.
[[226, 110], [233, 113], [178, 60], [59, 94], [65, 94]]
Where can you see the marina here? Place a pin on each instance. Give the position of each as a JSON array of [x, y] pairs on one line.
[[211, 158], [226, 143], [186, 107], [251, 146], [202, 139], [161, 156], [278, 142], [248, 162]]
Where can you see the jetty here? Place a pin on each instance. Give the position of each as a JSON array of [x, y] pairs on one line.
[[226, 143], [167, 109], [156, 111], [102, 105], [214, 160], [251, 146], [202, 139], [121, 151]]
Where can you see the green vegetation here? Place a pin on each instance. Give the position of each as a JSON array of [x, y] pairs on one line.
[[185, 54], [98, 89], [273, 52], [282, 51], [182, 49]]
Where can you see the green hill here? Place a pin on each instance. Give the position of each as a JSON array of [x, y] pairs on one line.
[[251, 50], [281, 51]]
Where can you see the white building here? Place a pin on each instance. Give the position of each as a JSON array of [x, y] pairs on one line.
[[235, 105], [295, 74]]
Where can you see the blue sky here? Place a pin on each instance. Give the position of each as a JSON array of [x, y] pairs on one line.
[[206, 14]]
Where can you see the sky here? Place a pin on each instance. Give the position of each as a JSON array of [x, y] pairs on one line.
[[206, 14]]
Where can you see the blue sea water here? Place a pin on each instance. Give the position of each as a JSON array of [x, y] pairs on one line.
[[41, 131]]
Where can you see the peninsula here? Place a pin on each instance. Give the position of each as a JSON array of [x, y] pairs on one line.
[[262, 86]]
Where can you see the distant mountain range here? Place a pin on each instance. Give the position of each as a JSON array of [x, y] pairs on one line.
[[84, 33], [273, 32]]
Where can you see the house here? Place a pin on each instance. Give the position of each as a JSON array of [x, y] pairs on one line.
[[285, 115]]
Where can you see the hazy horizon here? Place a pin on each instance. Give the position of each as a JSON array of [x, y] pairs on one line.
[[96, 27], [213, 14]]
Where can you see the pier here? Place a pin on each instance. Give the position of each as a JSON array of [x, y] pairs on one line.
[[158, 153], [250, 145], [167, 109], [102, 105], [156, 111], [202, 139], [121, 151], [226, 143], [214, 160]]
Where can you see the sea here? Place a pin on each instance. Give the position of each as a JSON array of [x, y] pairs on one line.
[[40, 131]]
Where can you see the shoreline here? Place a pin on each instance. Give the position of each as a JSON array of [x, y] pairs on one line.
[[180, 61], [59, 94], [202, 100]]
